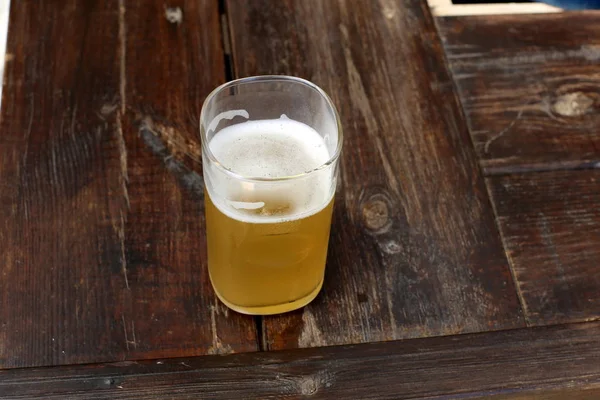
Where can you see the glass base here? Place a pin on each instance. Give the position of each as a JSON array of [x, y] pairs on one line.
[[273, 309]]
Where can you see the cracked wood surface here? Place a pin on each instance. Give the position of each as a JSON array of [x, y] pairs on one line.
[[529, 88], [414, 249], [102, 255]]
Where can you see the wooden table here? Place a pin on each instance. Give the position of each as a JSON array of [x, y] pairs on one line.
[[465, 247]]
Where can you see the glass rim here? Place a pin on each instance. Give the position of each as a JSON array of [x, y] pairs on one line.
[[266, 78]]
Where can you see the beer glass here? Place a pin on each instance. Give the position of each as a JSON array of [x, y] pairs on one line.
[[270, 152]]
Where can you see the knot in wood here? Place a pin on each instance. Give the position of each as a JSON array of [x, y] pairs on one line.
[[376, 213], [391, 247], [108, 109], [310, 385], [174, 15], [573, 104]]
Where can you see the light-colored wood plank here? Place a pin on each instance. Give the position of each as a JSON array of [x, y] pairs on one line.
[[441, 8]]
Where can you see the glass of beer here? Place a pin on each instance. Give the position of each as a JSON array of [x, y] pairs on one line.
[[270, 152]]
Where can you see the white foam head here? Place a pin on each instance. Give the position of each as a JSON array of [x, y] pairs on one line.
[[270, 149]]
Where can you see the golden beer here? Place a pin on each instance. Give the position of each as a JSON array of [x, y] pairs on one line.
[[267, 268], [269, 185]]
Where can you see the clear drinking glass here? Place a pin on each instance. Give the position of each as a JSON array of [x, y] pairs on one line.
[[270, 152]]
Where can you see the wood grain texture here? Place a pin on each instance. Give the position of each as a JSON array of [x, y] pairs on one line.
[[414, 250], [101, 246], [173, 60], [539, 363], [529, 88], [551, 227]]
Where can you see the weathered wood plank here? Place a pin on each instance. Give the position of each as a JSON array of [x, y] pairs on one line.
[[551, 228], [59, 247], [174, 58], [529, 87], [414, 249], [101, 247], [541, 363]]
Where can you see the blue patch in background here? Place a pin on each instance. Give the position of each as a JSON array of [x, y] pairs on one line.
[[574, 4]]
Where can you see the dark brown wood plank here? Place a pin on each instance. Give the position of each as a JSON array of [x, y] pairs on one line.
[[529, 87], [414, 249], [58, 249], [101, 247], [174, 58], [539, 363], [550, 223]]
